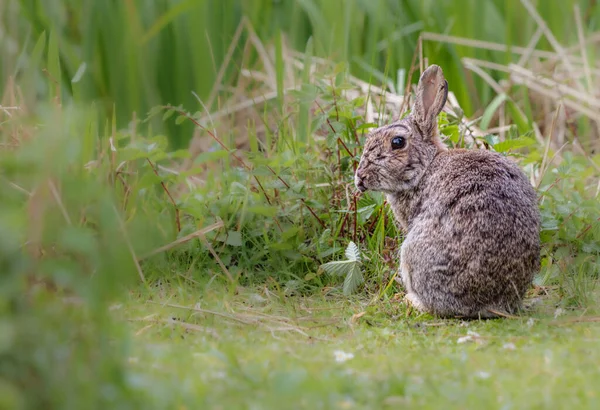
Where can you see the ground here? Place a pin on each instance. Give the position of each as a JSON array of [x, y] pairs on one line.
[[255, 349]]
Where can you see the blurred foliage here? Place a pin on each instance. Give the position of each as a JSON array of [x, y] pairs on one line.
[[571, 227], [133, 55], [64, 257]]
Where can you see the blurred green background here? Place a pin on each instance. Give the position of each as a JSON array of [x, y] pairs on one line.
[[132, 55]]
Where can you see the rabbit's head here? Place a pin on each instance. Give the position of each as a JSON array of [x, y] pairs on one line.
[[396, 156]]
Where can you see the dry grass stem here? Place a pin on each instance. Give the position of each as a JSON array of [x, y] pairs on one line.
[[198, 234]]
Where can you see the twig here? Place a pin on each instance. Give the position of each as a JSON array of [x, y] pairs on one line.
[[545, 158], [177, 221], [339, 140], [550, 37], [355, 216], [337, 112], [7, 110], [56, 84], [216, 256], [408, 80], [129, 245], [184, 239], [502, 314], [18, 188], [205, 311], [487, 45], [59, 202], [226, 61], [587, 228], [584, 55], [531, 47], [189, 326]]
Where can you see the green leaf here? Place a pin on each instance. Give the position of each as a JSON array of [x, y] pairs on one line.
[[358, 101], [307, 93], [351, 268], [180, 153], [80, 72], [269, 211], [166, 18], [210, 156], [514, 144], [234, 238], [491, 139], [31, 68], [180, 119], [486, 118], [352, 252], [168, 114], [37, 53], [310, 276], [54, 65], [149, 179], [353, 280], [340, 68], [155, 111], [366, 212], [366, 126], [339, 268], [518, 117]]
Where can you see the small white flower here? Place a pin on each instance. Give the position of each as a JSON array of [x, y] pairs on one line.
[[530, 322], [558, 312], [341, 356], [509, 346], [470, 337]]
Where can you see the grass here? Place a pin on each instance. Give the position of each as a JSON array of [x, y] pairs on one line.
[[260, 349]]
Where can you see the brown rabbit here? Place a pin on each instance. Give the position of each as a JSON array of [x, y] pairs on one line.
[[471, 217]]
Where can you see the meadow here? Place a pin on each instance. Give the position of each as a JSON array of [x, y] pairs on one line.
[[179, 226]]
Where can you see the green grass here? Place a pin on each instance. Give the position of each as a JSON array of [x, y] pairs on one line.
[[257, 349]]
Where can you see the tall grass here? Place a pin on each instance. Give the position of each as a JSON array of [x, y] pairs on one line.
[[133, 55]]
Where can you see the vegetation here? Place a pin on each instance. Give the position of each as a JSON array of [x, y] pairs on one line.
[[187, 166]]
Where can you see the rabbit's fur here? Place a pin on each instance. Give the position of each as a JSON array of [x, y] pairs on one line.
[[471, 217]]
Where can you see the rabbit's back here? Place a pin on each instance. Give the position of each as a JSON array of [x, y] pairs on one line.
[[473, 235]]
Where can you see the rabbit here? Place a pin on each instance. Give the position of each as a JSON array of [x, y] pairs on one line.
[[471, 219]]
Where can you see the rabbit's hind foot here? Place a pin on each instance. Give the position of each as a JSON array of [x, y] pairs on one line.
[[413, 300]]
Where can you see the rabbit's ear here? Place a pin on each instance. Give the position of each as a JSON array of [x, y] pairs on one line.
[[432, 93]]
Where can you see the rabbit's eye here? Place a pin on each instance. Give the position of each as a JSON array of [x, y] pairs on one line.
[[398, 142]]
